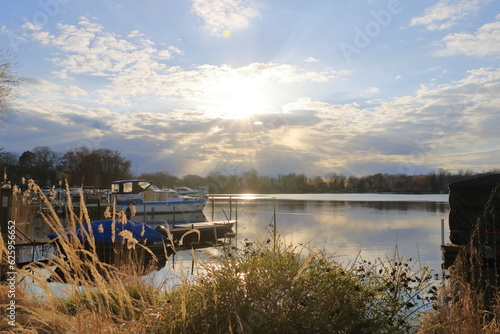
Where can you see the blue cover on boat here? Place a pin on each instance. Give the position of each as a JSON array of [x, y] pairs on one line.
[[103, 231]]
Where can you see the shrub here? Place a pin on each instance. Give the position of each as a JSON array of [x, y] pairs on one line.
[[290, 289]]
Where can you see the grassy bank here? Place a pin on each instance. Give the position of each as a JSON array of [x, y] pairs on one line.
[[263, 287]]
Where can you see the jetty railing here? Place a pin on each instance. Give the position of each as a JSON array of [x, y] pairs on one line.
[[233, 199]]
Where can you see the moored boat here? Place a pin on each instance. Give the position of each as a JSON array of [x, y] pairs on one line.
[[147, 198], [185, 191], [113, 239]]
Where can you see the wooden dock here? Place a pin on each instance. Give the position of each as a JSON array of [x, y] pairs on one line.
[[488, 256]]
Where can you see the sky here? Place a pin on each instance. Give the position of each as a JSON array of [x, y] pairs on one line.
[[193, 86]]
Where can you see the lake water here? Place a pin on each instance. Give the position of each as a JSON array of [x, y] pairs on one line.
[[346, 225], [373, 225]]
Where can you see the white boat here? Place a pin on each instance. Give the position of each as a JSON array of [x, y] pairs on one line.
[[190, 192], [149, 199]]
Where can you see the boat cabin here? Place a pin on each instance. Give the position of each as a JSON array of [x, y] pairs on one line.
[[132, 187], [143, 191]]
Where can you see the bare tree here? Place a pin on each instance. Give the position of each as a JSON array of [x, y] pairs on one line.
[[8, 81]]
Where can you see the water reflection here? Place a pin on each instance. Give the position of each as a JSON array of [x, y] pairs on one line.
[[374, 228], [295, 205], [172, 218]]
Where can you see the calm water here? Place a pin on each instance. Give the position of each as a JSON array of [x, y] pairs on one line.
[[346, 224]]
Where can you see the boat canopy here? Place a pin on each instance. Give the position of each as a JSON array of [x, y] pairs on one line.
[[132, 186], [475, 207]]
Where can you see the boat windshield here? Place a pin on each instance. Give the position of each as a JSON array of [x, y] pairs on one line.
[[147, 185]]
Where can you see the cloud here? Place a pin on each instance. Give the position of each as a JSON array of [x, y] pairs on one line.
[[74, 91], [42, 85], [88, 49], [448, 13], [311, 60], [211, 87], [482, 43], [136, 73], [225, 14]]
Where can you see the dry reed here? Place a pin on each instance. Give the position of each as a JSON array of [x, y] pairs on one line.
[[83, 294]]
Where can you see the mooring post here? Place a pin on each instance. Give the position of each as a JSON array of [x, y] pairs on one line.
[[236, 210], [274, 221], [213, 207], [442, 232], [5, 209]]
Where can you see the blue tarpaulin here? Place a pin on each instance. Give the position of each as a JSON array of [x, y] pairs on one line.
[[102, 230]]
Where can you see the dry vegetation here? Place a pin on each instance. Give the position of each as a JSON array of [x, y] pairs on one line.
[[265, 287], [468, 300]]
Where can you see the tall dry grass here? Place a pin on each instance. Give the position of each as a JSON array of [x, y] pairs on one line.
[[469, 300], [92, 296]]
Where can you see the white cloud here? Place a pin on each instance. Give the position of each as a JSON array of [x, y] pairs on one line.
[[448, 13], [135, 69], [225, 14], [206, 84], [88, 49], [42, 85], [482, 43], [373, 90], [31, 26], [311, 60], [74, 91]]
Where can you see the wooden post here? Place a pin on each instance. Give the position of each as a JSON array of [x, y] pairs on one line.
[[213, 208], [5, 209], [274, 221], [442, 232], [236, 210]]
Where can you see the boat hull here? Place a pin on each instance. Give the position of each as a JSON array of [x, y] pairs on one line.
[[164, 207]]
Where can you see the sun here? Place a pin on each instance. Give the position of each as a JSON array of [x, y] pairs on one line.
[[238, 97]]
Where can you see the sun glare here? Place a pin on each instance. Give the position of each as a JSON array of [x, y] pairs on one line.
[[238, 98]]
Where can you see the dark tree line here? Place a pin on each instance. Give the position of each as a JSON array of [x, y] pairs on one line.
[[435, 182], [98, 168], [80, 166]]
